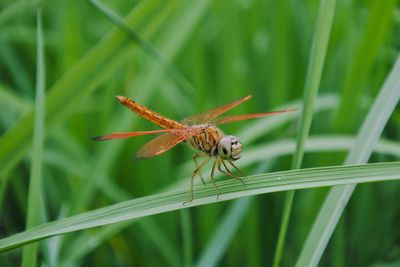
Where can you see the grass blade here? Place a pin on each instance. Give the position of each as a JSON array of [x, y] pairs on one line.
[[266, 152], [29, 255], [160, 203], [338, 197], [314, 73]]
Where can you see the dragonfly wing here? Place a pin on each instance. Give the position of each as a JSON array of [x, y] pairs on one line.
[[130, 134], [212, 114], [228, 119], [163, 143]]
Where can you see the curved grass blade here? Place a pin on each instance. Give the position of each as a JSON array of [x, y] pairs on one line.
[[83, 246], [314, 73], [29, 254], [160, 203], [338, 197]]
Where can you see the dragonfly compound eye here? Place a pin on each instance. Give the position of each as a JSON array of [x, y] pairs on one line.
[[229, 148]]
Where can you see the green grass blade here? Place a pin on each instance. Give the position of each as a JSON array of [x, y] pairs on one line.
[[29, 255], [147, 47], [267, 152], [338, 197], [314, 73], [377, 117], [231, 189]]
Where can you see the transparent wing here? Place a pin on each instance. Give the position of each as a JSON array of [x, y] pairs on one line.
[[130, 134], [212, 114], [163, 143], [228, 119]]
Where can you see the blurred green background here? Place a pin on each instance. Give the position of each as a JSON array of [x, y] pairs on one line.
[[226, 50]]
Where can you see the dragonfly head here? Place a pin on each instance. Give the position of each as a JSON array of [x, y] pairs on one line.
[[229, 148]]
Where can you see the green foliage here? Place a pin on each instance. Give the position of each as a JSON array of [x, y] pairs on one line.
[[173, 200], [224, 50]]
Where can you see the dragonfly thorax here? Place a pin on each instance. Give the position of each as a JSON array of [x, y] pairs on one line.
[[229, 148]]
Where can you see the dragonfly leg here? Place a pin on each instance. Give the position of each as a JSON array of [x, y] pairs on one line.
[[201, 165], [195, 172], [227, 172], [212, 176], [191, 190], [236, 168]]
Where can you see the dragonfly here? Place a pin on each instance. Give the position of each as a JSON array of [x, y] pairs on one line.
[[200, 131]]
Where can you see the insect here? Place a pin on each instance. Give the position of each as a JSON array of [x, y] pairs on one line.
[[199, 131]]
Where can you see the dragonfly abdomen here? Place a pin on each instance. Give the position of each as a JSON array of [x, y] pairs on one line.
[[150, 115]]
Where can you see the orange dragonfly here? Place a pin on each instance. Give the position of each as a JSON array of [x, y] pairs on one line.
[[199, 131]]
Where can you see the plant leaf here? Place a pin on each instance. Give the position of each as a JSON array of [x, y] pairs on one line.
[[231, 189]]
